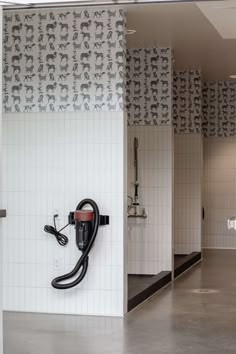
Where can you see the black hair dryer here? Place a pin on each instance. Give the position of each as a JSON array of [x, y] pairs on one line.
[[83, 226], [86, 225]]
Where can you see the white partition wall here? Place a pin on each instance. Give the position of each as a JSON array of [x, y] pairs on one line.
[[150, 239], [65, 145], [188, 193], [188, 160], [1, 205], [149, 102]]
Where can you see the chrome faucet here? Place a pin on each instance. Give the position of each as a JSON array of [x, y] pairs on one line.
[[138, 212]]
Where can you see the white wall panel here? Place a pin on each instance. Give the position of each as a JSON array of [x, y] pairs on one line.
[[150, 239], [219, 191], [50, 163], [188, 193]]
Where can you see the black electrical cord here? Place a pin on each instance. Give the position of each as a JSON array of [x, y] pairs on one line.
[[61, 238], [83, 261]]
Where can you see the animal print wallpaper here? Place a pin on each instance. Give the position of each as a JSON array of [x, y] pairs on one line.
[[149, 86], [187, 101], [219, 109], [63, 60]]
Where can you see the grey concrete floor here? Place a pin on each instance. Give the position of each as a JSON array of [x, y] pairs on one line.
[[174, 321]]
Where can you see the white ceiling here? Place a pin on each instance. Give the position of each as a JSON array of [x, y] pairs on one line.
[[222, 16], [195, 40]]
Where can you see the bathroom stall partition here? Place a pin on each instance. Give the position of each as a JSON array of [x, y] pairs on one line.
[[150, 133], [188, 168]]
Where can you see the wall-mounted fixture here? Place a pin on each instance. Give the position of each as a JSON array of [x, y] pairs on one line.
[[232, 76], [130, 31], [231, 223], [3, 213], [86, 223], [134, 209]]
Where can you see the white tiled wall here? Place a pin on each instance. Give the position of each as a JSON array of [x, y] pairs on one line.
[[187, 195], [219, 191], [50, 163], [150, 240]]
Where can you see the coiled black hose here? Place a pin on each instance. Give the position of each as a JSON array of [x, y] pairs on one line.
[[84, 259]]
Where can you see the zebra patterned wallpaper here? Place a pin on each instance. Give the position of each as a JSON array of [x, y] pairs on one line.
[[219, 109], [63, 60], [149, 86], [187, 101]]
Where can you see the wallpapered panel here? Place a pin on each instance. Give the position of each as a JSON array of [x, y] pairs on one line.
[[219, 109], [149, 86], [63, 60], [187, 101]]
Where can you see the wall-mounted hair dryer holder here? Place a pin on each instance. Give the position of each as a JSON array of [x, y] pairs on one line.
[[86, 224], [104, 219]]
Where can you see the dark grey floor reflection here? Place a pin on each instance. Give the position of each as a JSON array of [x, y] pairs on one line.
[[175, 321]]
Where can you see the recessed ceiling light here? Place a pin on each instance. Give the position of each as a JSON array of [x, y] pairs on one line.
[[130, 31], [232, 76]]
